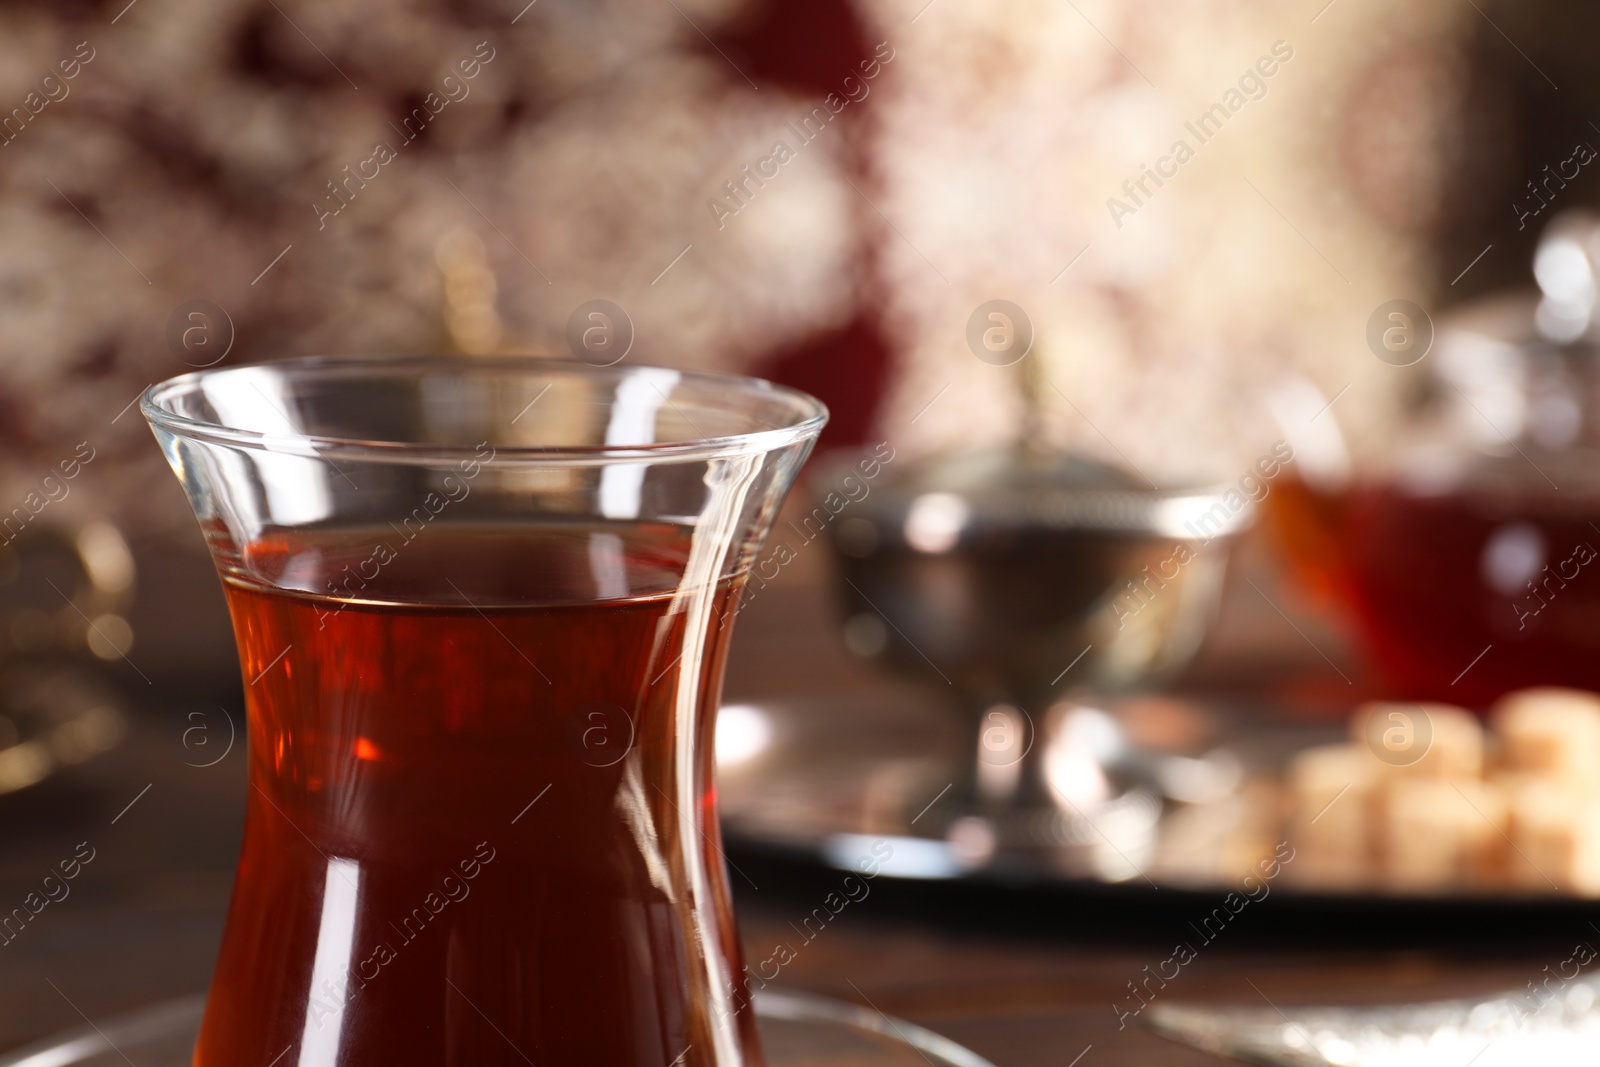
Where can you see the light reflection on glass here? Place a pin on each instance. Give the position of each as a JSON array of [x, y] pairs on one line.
[[319, 1042]]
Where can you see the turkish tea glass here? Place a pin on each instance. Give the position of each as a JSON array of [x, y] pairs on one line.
[[482, 608]]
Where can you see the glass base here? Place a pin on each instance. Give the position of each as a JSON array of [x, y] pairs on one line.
[[797, 1030]]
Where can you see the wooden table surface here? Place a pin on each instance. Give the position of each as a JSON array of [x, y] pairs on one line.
[[1022, 982]]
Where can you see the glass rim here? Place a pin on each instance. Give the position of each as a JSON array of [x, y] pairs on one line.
[[810, 414]]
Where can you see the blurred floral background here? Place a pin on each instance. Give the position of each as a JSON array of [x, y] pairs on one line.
[[426, 177]]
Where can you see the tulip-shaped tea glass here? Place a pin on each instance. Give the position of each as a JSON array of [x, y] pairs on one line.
[[481, 608]]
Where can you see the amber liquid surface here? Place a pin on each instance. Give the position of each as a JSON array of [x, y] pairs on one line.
[[1459, 596], [480, 829]]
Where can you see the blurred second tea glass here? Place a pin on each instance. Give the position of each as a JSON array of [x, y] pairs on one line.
[[1465, 556]]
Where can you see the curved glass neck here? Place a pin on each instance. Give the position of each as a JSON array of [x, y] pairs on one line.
[[348, 457]]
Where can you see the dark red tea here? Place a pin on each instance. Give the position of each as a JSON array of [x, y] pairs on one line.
[[475, 833], [1459, 596]]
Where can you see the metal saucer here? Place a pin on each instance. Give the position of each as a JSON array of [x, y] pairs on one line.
[[797, 1030]]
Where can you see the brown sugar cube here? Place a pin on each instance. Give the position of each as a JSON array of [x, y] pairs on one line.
[[1488, 834], [1556, 837], [1550, 731], [1330, 792], [1436, 835], [1424, 740]]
